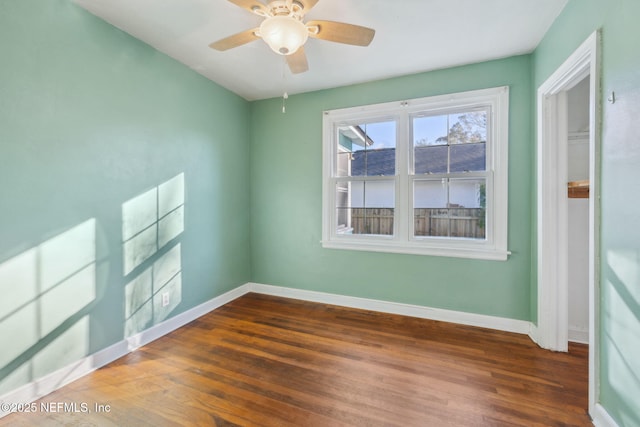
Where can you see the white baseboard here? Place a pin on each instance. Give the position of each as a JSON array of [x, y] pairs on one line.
[[578, 335], [58, 379], [534, 334], [601, 417], [479, 320]]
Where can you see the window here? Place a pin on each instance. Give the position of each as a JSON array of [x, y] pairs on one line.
[[424, 176]]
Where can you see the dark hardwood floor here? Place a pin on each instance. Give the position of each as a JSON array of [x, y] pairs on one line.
[[268, 361]]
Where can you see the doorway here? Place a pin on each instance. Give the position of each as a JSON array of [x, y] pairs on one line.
[[578, 211], [552, 330]]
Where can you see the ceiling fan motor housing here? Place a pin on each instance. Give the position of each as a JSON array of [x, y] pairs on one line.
[[284, 7]]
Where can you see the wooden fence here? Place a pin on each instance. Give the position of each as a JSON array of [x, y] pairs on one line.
[[372, 221], [452, 222]]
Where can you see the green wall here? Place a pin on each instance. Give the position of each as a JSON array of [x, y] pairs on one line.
[[286, 201], [620, 236], [91, 118]]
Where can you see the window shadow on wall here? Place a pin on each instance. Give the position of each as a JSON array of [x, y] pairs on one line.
[[46, 294], [151, 225], [620, 337]]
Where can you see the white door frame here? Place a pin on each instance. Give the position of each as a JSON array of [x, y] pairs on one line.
[[552, 327]]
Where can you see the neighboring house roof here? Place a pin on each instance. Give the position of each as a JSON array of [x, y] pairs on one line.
[[428, 159]]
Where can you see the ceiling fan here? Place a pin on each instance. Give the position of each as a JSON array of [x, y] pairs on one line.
[[285, 31]]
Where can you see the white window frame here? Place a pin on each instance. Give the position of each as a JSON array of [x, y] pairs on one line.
[[494, 246]]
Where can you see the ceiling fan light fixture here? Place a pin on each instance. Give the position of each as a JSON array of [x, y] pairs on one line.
[[284, 34]]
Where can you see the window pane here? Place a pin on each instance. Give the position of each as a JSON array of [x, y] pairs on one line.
[[344, 163], [430, 130], [365, 207], [450, 208], [468, 157], [430, 213], [342, 208], [467, 127], [368, 149], [430, 144], [430, 193], [467, 193], [467, 205], [450, 142], [431, 159]]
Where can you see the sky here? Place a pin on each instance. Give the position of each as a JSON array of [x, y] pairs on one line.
[[424, 128]]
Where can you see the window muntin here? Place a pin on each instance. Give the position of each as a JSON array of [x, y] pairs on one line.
[[438, 186]]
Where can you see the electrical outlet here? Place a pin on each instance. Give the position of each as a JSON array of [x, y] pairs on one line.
[[165, 299]]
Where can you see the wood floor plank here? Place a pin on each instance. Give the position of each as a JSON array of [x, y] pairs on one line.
[[269, 361]]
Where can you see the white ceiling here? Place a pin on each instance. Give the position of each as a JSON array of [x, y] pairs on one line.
[[411, 36]]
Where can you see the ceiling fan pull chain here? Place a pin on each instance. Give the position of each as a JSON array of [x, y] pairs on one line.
[[284, 84]]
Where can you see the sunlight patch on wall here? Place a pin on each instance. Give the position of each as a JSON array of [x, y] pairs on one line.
[[44, 290], [625, 264], [170, 210], [150, 222], [621, 334], [70, 346], [143, 295], [138, 310], [139, 229]]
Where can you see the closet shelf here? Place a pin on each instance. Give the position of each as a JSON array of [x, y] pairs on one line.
[[578, 189]]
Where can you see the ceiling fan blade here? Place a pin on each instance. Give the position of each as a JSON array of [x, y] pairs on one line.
[[253, 6], [340, 32], [235, 40], [298, 61]]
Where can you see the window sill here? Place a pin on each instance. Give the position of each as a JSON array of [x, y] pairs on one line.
[[482, 253]]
